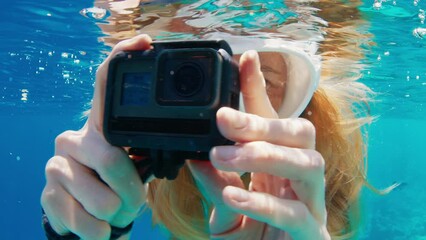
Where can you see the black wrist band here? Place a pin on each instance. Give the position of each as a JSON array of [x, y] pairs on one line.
[[52, 235], [116, 232]]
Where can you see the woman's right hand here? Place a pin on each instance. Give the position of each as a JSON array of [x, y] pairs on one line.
[[91, 185]]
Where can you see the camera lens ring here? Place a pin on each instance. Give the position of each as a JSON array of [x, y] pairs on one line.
[[188, 79]]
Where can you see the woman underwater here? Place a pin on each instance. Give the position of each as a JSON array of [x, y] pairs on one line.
[[299, 139]]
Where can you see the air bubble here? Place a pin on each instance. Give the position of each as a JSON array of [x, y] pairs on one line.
[[377, 5], [66, 75], [419, 33], [94, 13], [422, 16], [24, 95]]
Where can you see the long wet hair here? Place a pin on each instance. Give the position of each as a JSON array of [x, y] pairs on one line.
[[339, 111]]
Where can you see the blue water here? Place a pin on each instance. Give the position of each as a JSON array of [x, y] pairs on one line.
[[397, 138], [49, 53]]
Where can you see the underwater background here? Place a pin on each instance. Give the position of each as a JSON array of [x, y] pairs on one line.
[[49, 51]]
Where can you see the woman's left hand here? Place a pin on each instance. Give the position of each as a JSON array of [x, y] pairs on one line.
[[286, 195]]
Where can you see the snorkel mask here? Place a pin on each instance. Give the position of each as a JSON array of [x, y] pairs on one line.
[[303, 68]]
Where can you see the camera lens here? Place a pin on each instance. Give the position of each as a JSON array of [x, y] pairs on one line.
[[188, 79]]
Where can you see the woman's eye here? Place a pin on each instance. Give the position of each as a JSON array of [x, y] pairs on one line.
[[268, 83], [268, 86]]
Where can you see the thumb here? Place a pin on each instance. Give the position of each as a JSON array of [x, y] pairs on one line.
[[211, 183], [253, 86]]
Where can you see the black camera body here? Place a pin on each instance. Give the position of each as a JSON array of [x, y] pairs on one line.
[[165, 99]]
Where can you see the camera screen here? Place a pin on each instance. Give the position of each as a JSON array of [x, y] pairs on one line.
[[136, 89]]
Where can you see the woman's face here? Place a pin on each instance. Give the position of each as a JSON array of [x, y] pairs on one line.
[[274, 71]]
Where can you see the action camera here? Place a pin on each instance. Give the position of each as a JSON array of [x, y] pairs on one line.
[[162, 102]]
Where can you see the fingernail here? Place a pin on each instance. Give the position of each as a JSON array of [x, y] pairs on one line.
[[237, 194], [253, 54], [254, 71], [225, 153], [257, 69]]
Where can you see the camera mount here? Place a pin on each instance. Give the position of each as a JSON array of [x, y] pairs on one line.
[[162, 164]]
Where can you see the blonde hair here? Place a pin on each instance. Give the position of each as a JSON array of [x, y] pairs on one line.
[[338, 110], [180, 207]]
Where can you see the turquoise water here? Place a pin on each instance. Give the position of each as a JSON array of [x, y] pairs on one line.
[[396, 156], [49, 53], [397, 138]]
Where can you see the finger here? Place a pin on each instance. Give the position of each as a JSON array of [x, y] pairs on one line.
[[113, 166], [288, 215], [212, 182], [243, 127], [296, 164], [66, 215], [140, 42], [253, 86], [80, 182], [304, 168]]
